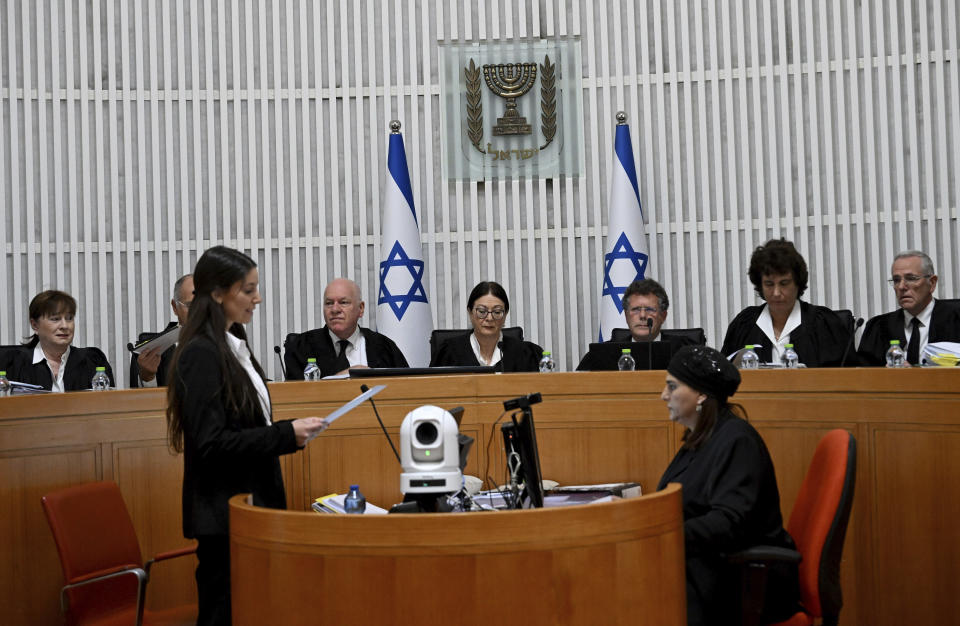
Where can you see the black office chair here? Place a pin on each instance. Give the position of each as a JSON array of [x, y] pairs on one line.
[[6, 357], [679, 336], [846, 318], [439, 336]]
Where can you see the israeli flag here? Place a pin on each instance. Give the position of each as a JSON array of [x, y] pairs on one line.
[[625, 255], [403, 313]]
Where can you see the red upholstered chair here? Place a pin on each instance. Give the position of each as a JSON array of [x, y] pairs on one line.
[[105, 576], [818, 525]]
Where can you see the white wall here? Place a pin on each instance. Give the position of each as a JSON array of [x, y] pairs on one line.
[[135, 135]]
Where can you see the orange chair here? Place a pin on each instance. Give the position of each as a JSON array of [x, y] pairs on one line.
[[106, 579], [818, 525]]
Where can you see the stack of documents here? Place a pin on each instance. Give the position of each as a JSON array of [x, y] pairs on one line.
[[941, 353], [334, 504]]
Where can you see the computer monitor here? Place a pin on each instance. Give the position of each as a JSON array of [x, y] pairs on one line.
[[520, 443]]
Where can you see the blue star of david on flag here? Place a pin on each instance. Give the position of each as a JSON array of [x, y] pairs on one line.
[[398, 258], [622, 250]]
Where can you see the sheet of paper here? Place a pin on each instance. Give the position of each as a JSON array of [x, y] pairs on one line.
[[163, 342], [349, 406]]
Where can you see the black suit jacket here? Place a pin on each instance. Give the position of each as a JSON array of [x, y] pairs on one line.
[[221, 457], [518, 355], [730, 502], [819, 341], [944, 326], [381, 352], [81, 366], [166, 359]]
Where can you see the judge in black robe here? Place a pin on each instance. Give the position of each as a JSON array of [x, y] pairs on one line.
[[516, 356], [166, 359], [82, 364], [381, 351], [730, 496], [944, 326]]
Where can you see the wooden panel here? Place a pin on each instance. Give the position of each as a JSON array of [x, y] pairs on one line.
[[915, 527], [30, 578]]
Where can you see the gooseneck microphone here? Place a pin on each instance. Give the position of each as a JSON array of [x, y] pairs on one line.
[[649, 344], [853, 334], [365, 389], [283, 370], [500, 362]]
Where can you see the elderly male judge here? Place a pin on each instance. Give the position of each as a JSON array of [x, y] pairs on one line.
[[150, 367], [341, 344]]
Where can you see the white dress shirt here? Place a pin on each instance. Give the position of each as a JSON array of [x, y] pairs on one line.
[[497, 354], [925, 315], [356, 351], [240, 350], [39, 356], [765, 322]]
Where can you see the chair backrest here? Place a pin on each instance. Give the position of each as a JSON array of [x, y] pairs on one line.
[[93, 532], [440, 335], [685, 335], [819, 519], [846, 318]]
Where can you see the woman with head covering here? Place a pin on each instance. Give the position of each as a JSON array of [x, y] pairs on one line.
[[779, 276], [219, 417], [730, 495], [487, 307], [48, 357]]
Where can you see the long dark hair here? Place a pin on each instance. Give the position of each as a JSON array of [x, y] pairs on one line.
[[218, 269], [710, 411]]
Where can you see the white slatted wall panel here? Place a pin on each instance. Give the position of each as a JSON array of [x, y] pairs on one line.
[[135, 135]]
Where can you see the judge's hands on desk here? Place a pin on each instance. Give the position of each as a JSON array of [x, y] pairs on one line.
[[306, 428]]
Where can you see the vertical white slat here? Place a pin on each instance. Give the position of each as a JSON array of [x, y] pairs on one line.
[[884, 173], [457, 291], [533, 291], [58, 89], [185, 266], [745, 206], [787, 226], [207, 168], [322, 275], [947, 138], [766, 19], [85, 302], [29, 170], [703, 177], [595, 124], [347, 160], [199, 243], [927, 142], [14, 159], [333, 145], [361, 229], [127, 86], [916, 201], [443, 306], [310, 303], [720, 88], [276, 281], [227, 156], [759, 176], [734, 247], [814, 251], [676, 201], [874, 257], [99, 336], [156, 204], [251, 207], [901, 214], [858, 293], [844, 254], [171, 105], [828, 195], [662, 205], [7, 239], [291, 290], [121, 322], [688, 206], [269, 94], [43, 95]]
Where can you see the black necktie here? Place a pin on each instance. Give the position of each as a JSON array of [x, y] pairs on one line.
[[342, 362], [913, 347]]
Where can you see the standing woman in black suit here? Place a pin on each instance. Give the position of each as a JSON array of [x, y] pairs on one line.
[[48, 357], [219, 417], [487, 307]]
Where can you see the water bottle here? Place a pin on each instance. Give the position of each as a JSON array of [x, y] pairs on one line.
[[354, 502], [100, 382], [749, 359], [546, 363], [311, 371], [626, 362], [895, 355], [4, 384], [789, 358]]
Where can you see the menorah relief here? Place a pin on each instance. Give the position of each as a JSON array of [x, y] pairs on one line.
[[511, 81]]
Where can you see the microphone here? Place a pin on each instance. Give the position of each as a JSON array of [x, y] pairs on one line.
[[365, 389], [649, 344], [853, 335], [500, 348], [283, 370]]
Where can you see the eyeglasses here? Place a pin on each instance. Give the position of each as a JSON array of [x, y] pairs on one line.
[[637, 310], [481, 313], [909, 279], [185, 305]]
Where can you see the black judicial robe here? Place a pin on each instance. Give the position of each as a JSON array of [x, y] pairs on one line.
[[82, 364], [819, 341], [730, 503], [381, 352], [166, 360], [224, 454], [944, 326], [518, 355]]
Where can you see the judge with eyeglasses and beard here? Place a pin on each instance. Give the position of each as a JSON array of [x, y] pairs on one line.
[[486, 344]]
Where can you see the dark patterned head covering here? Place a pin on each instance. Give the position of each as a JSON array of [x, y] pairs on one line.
[[705, 370]]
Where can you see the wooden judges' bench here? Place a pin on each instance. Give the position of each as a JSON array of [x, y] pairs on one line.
[[902, 555]]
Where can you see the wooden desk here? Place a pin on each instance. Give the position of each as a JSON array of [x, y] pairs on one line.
[[614, 563], [902, 556]]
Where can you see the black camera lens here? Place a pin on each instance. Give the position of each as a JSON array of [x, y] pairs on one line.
[[426, 433]]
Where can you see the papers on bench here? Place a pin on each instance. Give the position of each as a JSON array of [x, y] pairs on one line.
[[940, 354]]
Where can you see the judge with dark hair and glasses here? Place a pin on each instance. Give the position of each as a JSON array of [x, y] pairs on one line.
[[486, 344]]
